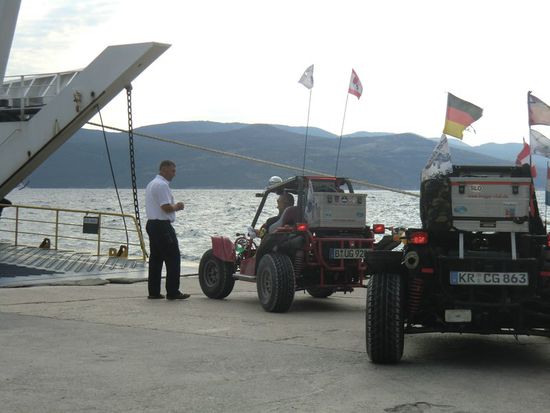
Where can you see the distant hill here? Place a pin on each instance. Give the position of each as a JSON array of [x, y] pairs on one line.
[[394, 160]]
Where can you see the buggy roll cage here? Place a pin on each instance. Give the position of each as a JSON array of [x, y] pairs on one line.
[[298, 185]]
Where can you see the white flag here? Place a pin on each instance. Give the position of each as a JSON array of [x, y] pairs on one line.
[[539, 112], [440, 161], [540, 144], [307, 78], [355, 86]]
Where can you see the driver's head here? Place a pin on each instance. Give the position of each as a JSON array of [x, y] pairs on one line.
[[284, 201]]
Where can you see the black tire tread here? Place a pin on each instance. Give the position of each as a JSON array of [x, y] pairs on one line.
[[384, 319], [283, 286], [225, 271]]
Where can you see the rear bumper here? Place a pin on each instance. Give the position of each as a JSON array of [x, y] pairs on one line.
[[494, 309]]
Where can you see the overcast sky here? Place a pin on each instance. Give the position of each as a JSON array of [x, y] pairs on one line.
[[240, 61]]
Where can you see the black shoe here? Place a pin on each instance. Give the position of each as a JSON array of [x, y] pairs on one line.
[[155, 296], [177, 296]]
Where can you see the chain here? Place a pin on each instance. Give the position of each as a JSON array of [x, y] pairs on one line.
[[132, 157]]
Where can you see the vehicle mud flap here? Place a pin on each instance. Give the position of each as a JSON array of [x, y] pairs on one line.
[[382, 261], [224, 249]]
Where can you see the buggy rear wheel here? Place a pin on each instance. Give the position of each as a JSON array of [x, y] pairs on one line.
[[384, 321], [320, 292], [215, 276], [275, 282]]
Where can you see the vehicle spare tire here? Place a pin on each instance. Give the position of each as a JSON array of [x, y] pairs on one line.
[[320, 292], [216, 276], [385, 320], [275, 282]]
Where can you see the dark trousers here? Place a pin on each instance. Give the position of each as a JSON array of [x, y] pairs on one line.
[[164, 248]]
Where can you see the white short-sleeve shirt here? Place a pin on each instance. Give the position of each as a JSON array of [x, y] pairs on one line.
[[158, 193]]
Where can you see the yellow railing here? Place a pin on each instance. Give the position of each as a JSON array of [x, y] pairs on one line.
[[56, 228]]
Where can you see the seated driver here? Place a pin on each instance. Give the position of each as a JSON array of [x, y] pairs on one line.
[[284, 201]]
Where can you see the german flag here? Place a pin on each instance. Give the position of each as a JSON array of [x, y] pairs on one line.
[[460, 115]]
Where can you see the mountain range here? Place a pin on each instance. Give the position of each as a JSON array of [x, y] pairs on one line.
[[389, 159]]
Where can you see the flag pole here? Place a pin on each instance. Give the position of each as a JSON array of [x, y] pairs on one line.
[[307, 129], [341, 133], [546, 201]]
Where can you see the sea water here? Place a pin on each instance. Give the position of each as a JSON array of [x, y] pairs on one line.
[[208, 212]]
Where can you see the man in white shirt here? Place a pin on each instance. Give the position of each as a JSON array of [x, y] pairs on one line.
[[163, 242]]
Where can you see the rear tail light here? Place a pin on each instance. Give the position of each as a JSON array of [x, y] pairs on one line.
[[379, 228], [302, 226], [418, 238]]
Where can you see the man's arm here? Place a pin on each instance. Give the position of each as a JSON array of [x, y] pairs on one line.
[[172, 207]]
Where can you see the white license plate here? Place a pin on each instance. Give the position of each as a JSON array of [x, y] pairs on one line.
[[489, 278], [458, 316], [347, 253]]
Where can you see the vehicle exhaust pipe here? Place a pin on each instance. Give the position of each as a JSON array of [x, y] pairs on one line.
[[412, 259]]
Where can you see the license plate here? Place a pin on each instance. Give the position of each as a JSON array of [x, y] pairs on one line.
[[489, 278], [458, 316], [347, 253]]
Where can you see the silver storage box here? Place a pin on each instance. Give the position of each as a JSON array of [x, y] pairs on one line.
[[490, 204], [336, 210]]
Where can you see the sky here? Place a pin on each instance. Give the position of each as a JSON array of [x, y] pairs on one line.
[[240, 60]]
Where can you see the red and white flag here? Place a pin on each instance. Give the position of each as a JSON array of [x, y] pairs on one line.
[[524, 156], [539, 112], [355, 86]]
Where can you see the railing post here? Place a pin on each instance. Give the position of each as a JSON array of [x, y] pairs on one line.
[[16, 224], [99, 236], [22, 97], [56, 227]]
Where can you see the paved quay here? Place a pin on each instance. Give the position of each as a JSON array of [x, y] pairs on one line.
[[106, 348]]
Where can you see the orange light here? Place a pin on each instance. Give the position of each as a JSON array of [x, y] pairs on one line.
[[419, 238], [302, 226], [379, 228]]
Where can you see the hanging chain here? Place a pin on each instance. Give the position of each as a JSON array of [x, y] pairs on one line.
[[132, 157]]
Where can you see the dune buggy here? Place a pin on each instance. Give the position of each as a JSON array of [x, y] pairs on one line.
[[479, 264], [318, 246]]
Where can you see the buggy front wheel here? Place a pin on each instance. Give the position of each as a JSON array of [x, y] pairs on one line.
[[216, 276]]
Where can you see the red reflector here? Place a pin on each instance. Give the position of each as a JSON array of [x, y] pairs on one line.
[[427, 270], [302, 227], [419, 238], [379, 228], [545, 273]]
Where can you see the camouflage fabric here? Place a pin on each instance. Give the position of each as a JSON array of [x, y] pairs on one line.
[[435, 204]]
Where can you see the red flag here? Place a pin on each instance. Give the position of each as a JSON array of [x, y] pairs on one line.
[[355, 86], [524, 156]]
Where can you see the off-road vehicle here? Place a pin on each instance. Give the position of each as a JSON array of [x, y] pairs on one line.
[[318, 246], [479, 264]]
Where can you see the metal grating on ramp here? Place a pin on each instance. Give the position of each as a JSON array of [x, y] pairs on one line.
[[22, 265], [12, 270]]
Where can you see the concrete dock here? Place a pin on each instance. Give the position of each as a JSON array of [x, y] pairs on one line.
[[107, 348]]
